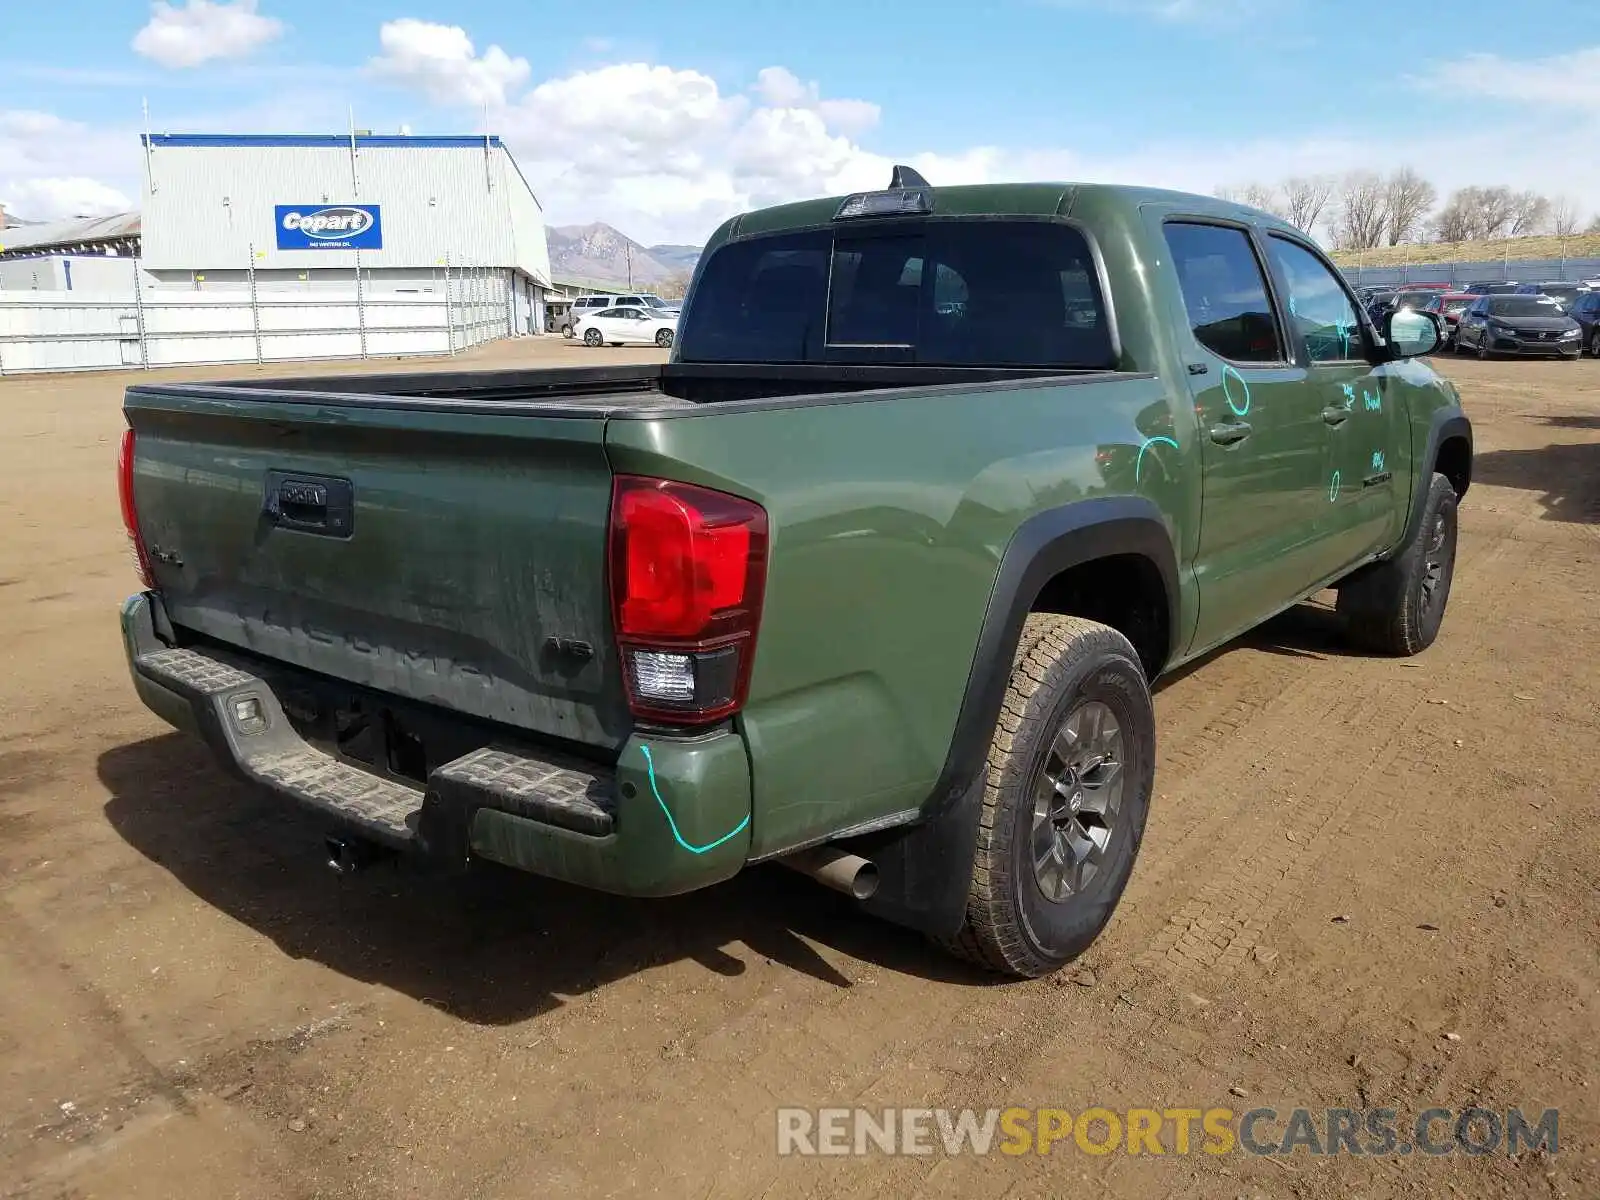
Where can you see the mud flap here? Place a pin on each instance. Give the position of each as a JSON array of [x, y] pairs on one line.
[[925, 870]]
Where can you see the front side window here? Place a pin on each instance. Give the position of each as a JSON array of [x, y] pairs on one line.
[[1225, 292], [1319, 307], [955, 293]]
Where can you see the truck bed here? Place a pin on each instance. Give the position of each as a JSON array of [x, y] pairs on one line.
[[636, 390]]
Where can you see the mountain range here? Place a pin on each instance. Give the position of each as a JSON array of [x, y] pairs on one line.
[[599, 254]]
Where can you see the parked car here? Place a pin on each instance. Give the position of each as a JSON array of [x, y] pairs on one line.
[[585, 305], [627, 326], [1561, 291], [1585, 311], [1523, 325], [1451, 306], [1493, 287], [1380, 305], [799, 595]]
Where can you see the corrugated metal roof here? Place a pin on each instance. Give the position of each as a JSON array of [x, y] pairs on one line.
[[70, 233], [390, 140]]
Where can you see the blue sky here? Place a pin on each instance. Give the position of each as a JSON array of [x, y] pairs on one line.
[[674, 115]]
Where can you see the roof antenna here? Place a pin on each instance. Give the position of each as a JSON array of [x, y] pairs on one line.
[[905, 177]]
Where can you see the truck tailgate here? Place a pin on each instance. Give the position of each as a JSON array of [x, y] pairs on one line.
[[451, 557]]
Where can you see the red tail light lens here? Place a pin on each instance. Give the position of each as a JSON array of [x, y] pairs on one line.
[[130, 511], [688, 569]]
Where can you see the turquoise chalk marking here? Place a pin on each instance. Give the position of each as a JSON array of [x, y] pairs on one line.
[[650, 763], [1138, 463], [1333, 489], [1377, 460], [1228, 395], [1372, 400], [1349, 394]]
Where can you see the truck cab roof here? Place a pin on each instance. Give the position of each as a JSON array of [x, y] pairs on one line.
[[1055, 199]]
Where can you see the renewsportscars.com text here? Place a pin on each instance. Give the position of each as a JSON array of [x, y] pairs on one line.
[[1377, 1132]]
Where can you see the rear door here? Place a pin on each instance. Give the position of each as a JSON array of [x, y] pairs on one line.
[[1360, 424], [1263, 441]]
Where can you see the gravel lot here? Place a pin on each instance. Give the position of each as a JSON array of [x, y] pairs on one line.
[[1365, 883]]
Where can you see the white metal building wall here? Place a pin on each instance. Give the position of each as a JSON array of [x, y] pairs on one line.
[[209, 202]]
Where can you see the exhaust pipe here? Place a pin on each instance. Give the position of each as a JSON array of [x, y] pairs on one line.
[[346, 856], [851, 874]]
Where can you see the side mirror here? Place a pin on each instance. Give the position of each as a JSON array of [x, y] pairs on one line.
[[1411, 333]]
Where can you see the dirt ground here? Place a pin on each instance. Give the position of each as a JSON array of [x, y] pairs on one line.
[[1366, 883]]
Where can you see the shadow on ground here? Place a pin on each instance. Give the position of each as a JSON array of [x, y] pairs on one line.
[[1567, 473], [493, 947]]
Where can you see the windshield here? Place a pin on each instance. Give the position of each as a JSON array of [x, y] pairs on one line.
[[1524, 306], [1416, 299], [958, 293], [1563, 292], [1455, 306], [656, 302]]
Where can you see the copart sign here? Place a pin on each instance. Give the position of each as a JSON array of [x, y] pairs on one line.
[[329, 226]]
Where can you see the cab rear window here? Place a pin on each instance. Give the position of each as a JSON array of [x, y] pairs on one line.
[[956, 293]]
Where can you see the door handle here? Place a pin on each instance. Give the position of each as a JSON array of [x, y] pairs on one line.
[[1336, 415], [1227, 435]]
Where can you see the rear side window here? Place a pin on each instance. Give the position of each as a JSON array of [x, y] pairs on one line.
[[1224, 291], [956, 293], [1318, 306]]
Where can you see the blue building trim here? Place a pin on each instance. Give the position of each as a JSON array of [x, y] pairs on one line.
[[329, 140]]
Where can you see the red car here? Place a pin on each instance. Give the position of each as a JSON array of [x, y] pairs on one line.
[[1451, 306]]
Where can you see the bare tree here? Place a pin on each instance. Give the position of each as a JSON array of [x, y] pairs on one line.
[[1594, 225], [1304, 198], [1361, 213], [1495, 207], [1256, 195], [674, 286], [1407, 199], [1475, 214], [1529, 214], [1564, 218]]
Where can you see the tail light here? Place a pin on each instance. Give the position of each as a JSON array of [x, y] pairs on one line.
[[130, 511], [688, 570]]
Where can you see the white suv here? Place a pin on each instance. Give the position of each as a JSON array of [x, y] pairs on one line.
[[585, 306]]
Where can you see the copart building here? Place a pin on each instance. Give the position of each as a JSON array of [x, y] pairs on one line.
[[390, 213]]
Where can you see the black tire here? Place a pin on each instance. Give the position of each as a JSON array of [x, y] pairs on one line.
[[664, 339], [592, 337], [1396, 607], [1065, 668], [1594, 344], [566, 331]]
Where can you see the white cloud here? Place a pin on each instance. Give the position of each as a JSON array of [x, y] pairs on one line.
[[440, 61], [1562, 79], [52, 168], [203, 30], [780, 87], [49, 199]]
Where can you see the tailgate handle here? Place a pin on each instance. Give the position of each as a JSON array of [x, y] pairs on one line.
[[319, 504]]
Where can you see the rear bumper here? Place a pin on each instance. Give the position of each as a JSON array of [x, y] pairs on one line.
[[672, 815]]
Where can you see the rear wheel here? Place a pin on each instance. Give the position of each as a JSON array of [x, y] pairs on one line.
[[1067, 791], [591, 337], [1594, 345], [1483, 347], [664, 338], [1396, 607]]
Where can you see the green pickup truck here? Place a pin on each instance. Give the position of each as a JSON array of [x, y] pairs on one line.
[[871, 579]]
